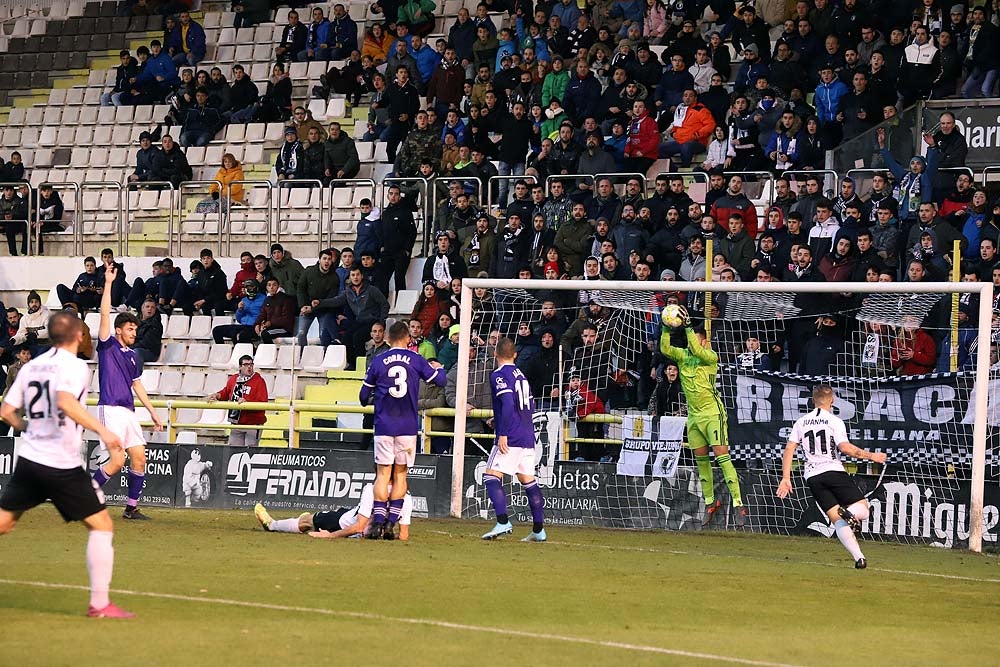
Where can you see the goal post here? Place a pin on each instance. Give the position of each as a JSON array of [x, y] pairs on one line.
[[639, 316]]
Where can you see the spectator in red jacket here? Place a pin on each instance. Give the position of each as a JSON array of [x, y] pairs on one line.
[[643, 140], [246, 386], [913, 352], [734, 201], [690, 129], [247, 272], [580, 402]]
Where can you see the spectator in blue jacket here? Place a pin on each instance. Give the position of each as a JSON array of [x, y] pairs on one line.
[[369, 238], [192, 41], [583, 93], [827, 98], [673, 83], [427, 58], [343, 34], [158, 75], [247, 311], [317, 39], [750, 70]]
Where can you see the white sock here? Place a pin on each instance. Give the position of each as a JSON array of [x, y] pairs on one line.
[[859, 510], [847, 538], [100, 564], [285, 526]]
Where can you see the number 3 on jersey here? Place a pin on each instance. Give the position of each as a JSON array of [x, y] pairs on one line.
[[398, 375]]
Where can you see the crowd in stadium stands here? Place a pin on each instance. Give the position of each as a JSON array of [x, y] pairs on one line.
[[583, 89]]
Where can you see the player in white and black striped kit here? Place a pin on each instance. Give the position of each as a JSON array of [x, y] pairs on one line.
[[823, 438], [46, 403]]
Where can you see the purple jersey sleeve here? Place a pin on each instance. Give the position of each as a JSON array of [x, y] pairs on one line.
[[117, 369]]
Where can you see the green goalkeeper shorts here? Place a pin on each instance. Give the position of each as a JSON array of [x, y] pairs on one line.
[[707, 430]]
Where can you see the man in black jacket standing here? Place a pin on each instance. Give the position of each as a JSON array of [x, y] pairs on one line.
[[516, 129], [399, 233], [403, 102], [170, 164]]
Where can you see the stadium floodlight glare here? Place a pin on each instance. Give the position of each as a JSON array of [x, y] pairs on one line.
[[635, 297]]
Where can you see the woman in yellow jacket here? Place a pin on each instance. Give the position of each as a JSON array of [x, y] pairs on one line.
[[230, 171], [377, 44]]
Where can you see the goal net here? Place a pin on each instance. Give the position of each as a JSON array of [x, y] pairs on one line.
[[911, 377]]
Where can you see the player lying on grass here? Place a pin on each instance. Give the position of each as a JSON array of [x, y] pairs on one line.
[[823, 438], [341, 522], [698, 365], [514, 450]]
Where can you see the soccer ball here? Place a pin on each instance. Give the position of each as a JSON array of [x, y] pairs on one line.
[[671, 316]]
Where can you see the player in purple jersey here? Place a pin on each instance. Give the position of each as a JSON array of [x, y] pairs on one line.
[[118, 370], [514, 450], [394, 378]]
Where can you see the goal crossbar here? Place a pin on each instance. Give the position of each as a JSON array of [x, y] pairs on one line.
[[984, 289]]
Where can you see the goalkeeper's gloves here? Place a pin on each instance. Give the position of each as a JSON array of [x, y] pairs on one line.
[[685, 317]]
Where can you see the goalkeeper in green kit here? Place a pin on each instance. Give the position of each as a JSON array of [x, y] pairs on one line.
[[706, 422]]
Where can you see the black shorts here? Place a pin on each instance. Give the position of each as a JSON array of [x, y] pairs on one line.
[[834, 487], [329, 520], [74, 493]]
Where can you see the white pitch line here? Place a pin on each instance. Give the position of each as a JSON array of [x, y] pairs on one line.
[[641, 648], [678, 552]]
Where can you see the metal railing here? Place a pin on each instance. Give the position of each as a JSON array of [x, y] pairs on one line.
[[303, 183], [346, 182], [119, 211], [992, 169], [269, 218], [194, 185], [527, 178], [565, 177], [686, 176], [27, 223], [171, 211]]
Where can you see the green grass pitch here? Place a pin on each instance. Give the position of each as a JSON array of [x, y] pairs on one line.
[[212, 588]]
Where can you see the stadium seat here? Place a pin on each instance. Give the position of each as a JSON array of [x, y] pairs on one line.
[[170, 382], [194, 384], [312, 358], [405, 301], [265, 356], [201, 327], [282, 388], [177, 326], [93, 322], [219, 354], [288, 356], [215, 381], [172, 355], [197, 354], [268, 383], [234, 359], [335, 358], [214, 417], [150, 380]]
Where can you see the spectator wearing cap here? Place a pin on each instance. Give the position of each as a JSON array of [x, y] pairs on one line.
[[689, 130], [594, 159], [444, 265], [144, 158], [32, 330], [245, 386], [751, 69], [288, 164], [285, 268]]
